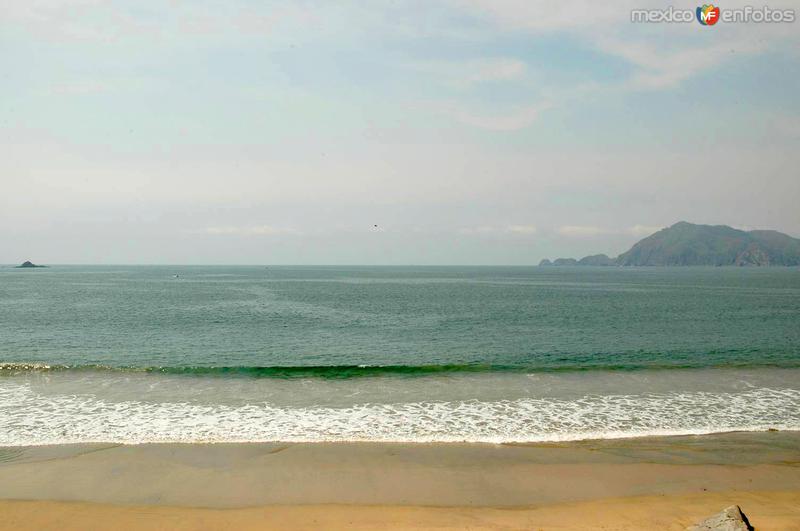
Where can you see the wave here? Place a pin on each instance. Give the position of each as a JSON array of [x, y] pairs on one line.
[[355, 371], [29, 416]]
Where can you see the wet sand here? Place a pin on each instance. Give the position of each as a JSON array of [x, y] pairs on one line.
[[652, 483]]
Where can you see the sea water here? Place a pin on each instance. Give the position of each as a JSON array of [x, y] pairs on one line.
[[135, 354]]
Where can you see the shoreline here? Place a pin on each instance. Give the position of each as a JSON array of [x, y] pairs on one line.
[[643, 481], [609, 438]]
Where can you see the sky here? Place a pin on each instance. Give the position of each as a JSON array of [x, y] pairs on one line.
[[385, 131]]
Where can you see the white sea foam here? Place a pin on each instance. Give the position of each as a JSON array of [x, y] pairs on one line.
[[31, 415]]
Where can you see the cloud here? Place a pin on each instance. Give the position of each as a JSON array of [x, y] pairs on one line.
[[78, 21], [581, 231], [491, 115], [466, 73], [506, 119], [80, 87], [658, 67], [521, 229], [257, 230], [544, 15], [588, 231], [488, 230], [644, 230], [663, 55]]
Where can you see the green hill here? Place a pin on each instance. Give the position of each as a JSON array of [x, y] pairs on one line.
[[687, 244], [714, 245]]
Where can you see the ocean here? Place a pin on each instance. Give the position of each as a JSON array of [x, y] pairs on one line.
[[134, 354]]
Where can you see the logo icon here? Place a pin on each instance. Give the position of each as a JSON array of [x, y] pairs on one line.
[[707, 15]]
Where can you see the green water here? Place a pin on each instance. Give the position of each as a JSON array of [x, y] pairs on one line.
[[270, 321]]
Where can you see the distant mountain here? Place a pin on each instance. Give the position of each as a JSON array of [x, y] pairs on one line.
[[716, 245], [687, 244], [597, 260], [559, 262]]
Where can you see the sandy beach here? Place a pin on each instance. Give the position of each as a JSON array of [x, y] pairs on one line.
[[649, 483]]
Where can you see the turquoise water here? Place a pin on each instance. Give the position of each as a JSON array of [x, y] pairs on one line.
[[135, 354]]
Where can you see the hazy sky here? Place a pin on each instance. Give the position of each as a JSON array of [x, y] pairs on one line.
[[469, 131]]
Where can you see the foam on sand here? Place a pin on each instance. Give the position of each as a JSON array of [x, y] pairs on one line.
[[31, 414]]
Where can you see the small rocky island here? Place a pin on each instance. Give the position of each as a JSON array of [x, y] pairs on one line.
[[28, 264], [687, 244]]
